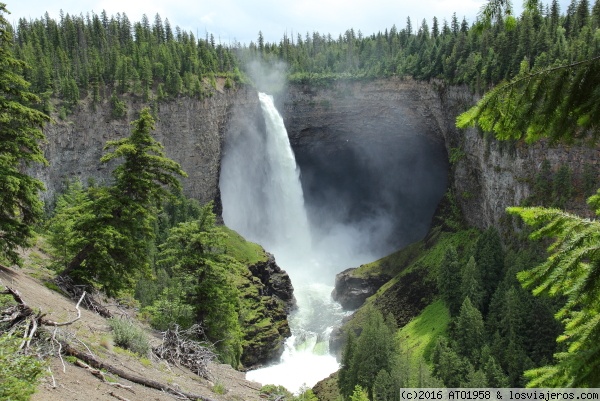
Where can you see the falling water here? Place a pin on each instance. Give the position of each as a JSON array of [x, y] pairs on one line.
[[262, 199]]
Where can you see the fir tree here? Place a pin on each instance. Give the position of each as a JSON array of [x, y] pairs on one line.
[[448, 283], [20, 137], [115, 224]]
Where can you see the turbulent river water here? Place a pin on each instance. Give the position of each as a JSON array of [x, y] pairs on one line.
[[263, 200]]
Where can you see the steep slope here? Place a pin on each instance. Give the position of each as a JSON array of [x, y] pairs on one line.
[[91, 334]]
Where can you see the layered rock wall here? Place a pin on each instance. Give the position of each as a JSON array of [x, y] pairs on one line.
[[191, 131]]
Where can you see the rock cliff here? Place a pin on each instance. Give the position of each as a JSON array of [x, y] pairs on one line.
[[191, 131], [352, 291], [272, 297], [488, 176]]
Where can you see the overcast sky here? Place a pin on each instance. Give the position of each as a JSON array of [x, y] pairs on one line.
[[241, 20]]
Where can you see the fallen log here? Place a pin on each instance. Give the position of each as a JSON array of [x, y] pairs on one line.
[[95, 363]]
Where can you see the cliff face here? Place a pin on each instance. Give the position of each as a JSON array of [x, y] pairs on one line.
[[191, 131], [489, 176], [359, 128], [371, 154]]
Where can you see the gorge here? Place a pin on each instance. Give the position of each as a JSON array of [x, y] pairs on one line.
[[360, 148]]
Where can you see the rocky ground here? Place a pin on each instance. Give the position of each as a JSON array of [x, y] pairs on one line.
[[91, 335]]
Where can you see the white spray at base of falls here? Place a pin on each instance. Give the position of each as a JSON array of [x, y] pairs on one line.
[[262, 200]]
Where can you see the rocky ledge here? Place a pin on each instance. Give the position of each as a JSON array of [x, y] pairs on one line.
[[351, 291], [268, 296]]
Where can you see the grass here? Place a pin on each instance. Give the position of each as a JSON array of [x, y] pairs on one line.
[[129, 336], [244, 251], [419, 336], [219, 388]]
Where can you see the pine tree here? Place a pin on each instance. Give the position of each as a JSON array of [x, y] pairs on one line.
[[489, 258], [374, 351], [572, 271], [470, 285], [347, 372], [20, 137]]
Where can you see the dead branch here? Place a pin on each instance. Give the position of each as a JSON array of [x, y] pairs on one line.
[[74, 291], [118, 397], [23, 313], [56, 324], [98, 373], [179, 348], [95, 363]]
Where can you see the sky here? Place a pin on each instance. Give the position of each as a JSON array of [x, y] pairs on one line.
[[241, 20]]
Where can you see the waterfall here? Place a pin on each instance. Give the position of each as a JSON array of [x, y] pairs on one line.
[[262, 200], [261, 190]]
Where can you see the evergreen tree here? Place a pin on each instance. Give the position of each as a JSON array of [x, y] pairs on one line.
[[448, 365], [470, 334], [374, 351], [571, 271], [448, 282], [115, 225], [384, 388], [470, 285], [194, 251], [20, 136], [347, 372], [489, 258]]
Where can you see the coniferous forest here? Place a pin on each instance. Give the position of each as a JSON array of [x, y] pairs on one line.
[[510, 311]]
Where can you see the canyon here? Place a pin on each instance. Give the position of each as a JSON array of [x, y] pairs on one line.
[[345, 135]]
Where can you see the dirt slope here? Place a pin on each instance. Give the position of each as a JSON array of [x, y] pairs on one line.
[[93, 332]]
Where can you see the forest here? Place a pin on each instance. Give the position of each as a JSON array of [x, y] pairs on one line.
[[515, 312]]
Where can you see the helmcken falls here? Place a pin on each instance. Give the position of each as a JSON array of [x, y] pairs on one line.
[[263, 200]]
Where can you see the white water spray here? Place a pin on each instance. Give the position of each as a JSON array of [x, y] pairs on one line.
[[262, 199]]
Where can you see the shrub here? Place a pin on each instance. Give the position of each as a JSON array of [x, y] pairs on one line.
[[129, 336], [19, 373]]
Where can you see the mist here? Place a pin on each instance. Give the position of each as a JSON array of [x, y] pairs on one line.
[[366, 198]]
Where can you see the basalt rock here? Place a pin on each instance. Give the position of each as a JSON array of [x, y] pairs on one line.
[[351, 291], [269, 297], [275, 281]]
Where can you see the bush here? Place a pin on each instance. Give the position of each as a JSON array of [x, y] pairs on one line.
[[129, 336], [19, 373]]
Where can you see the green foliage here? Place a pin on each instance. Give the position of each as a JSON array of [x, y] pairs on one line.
[[359, 394], [420, 337], [470, 285], [170, 307], [273, 392], [118, 106], [448, 365], [195, 254], [448, 280], [111, 228], [563, 188], [83, 55], [219, 388], [532, 106], [19, 373], [489, 258], [374, 351], [60, 233], [572, 271], [20, 137], [470, 332], [129, 336]]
